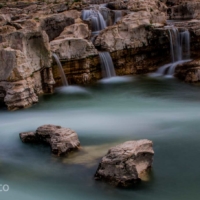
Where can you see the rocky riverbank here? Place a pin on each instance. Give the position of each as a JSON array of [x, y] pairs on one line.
[[31, 30]]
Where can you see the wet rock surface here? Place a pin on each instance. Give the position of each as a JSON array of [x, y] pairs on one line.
[[61, 140], [124, 164], [134, 35]]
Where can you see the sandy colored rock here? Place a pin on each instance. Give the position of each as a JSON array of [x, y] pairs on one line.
[[123, 164], [73, 44], [61, 140], [78, 30], [131, 32]]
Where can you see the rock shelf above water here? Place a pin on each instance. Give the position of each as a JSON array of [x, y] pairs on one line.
[[61, 140], [31, 31]]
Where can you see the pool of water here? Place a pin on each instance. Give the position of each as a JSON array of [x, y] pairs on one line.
[[165, 111]]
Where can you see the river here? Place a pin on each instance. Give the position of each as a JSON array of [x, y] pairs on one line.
[[165, 111]]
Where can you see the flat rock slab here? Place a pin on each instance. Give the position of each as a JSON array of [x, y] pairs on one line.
[[62, 140], [123, 164]]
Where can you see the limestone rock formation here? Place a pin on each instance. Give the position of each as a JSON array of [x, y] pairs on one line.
[[24, 54], [183, 9], [124, 164], [53, 25], [62, 140], [31, 30], [135, 42], [131, 32], [73, 44]]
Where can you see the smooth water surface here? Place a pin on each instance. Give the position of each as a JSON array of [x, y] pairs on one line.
[[163, 110]]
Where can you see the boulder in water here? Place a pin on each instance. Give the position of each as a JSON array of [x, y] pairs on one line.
[[62, 140], [124, 164]]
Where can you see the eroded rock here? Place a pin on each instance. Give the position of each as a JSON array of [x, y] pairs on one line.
[[73, 44], [124, 164], [55, 24], [61, 140], [131, 32]]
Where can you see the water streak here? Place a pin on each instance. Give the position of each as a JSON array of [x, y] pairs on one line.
[[107, 65], [63, 77], [97, 20], [179, 48], [118, 15]]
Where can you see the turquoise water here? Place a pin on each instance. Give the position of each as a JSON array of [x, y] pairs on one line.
[[105, 114]]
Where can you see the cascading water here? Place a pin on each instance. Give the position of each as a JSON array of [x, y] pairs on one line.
[[180, 50], [118, 15], [107, 65], [99, 23], [63, 77], [97, 20]]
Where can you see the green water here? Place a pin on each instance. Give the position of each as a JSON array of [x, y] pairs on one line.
[[163, 110]]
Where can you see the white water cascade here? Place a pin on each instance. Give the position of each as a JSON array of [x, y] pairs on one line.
[[118, 15], [63, 77], [107, 65], [98, 22], [179, 48]]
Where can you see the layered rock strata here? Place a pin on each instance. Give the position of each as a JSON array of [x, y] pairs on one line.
[[31, 30], [25, 54], [137, 44]]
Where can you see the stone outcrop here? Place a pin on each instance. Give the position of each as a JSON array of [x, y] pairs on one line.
[[75, 50], [181, 9], [31, 30], [124, 164], [131, 32], [189, 72], [135, 42], [53, 25], [72, 44], [61, 140], [24, 54]]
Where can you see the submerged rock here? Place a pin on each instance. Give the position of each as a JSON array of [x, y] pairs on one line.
[[124, 164], [62, 140]]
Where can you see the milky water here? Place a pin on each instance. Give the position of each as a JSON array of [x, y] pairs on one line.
[[163, 110]]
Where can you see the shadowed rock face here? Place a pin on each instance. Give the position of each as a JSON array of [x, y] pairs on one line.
[[62, 140], [124, 164], [55, 24], [183, 9], [24, 57]]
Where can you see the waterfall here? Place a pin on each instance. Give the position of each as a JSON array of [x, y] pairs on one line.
[[63, 77], [107, 65], [179, 49], [97, 20], [185, 40], [118, 15]]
